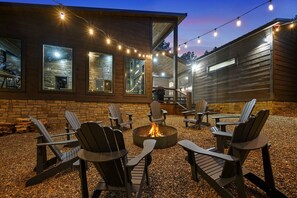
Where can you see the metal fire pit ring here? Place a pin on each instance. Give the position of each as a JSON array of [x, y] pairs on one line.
[[168, 140]]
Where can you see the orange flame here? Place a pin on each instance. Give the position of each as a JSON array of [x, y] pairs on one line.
[[154, 131]]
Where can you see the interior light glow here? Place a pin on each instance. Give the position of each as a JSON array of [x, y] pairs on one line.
[[57, 54]]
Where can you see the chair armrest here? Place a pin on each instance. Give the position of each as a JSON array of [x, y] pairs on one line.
[[129, 114], [190, 146], [187, 112], [201, 113], [149, 114], [148, 147], [222, 134], [113, 118], [164, 111], [63, 134], [227, 123], [256, 143], [225, 116], [101, 157], [57, 143]]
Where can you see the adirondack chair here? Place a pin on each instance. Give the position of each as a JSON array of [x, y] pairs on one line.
[[197, 114], [220, 170], [245, 114], [105, 147], [157, 114], [46, 168], [116, 119]]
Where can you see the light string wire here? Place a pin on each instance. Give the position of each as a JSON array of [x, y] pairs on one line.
[[123, 45], [228, 22]]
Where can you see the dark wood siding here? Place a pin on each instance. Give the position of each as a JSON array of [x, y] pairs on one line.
[[285, 64], [38, 25], [250, 78]]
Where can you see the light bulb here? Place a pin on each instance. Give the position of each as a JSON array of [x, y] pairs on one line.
[[215, 33], [198, 40], [238, 22], [119, 47], [178, 48], [108, 41], [135, 51], [128, 51], [91, 31], [270, 6], [186, 46], [62, 15], [163, 53], [292, 25]]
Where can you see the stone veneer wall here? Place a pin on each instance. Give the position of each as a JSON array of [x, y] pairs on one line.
[[53, 110], [275, 107]]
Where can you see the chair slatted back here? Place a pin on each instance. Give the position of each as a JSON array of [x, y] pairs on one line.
[[46, 137], [245, 132], [72, 120], [200, 106], [156, 110], [115, 111], [247, 110], [92, 137]]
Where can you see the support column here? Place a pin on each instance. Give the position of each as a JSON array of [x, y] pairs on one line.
[[175, 60]]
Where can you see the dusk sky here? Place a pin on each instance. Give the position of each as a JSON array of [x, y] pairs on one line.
[[203, 16]]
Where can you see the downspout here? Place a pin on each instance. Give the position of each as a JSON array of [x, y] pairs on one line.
[[271, 94]]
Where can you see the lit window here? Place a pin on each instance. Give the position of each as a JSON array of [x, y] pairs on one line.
[[221, 65], [135, 76], [10, 63], [57, 68], [100, 72]]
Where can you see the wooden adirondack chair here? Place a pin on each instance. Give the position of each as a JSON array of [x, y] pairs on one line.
[[115, 116], [221, 169], [198, 113], [49, 167], [245, 114], [157, 114], [105, 147]]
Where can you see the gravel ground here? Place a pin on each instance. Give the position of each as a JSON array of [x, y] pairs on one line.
[[169, 172]]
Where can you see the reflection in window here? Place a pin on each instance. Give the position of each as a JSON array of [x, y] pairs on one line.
[[57, 68], [100, 72], [10, 63], [135, 76]]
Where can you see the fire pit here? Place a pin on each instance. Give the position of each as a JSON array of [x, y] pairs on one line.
[[166, 136]]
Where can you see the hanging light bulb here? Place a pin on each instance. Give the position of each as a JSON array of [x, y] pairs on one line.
[[62, 15], [119, 47], [292, 25], [157, 54], [170, 52], [215, 33], [178, 48], [277, 28], [163, 53], [270, 6], [198, 40], [238, 22], [139, 55], [135, 50], [186, 45], [91, 31], [128, 51], [108, 41]]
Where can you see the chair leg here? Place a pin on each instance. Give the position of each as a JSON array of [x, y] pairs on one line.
[[83, 178]]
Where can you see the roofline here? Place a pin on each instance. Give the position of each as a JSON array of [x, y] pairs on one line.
[[180, 16], [259, 29]]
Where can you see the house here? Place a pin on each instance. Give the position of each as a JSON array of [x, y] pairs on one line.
[[261, 64], [54, 58]]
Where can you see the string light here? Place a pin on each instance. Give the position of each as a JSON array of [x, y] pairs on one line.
[[108, 41], [292, 25], [119, 47], [237, 19], [178, 48], [215, 33], [185, 45], [270, 6], [128, 51], [62, 15], [163, 53], [135, 50], [91, 31], [238, 22]]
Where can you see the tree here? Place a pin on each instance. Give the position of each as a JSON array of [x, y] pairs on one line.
[[164, 46], [189, 57]]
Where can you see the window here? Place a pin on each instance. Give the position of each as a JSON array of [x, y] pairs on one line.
[[10, 63], [57, 68], [135, 74], [100, 72], [221, 65]]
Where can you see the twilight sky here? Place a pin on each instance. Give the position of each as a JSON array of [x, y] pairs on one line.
[[203, 16]]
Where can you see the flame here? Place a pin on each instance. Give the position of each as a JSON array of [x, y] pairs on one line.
[[154, 131]]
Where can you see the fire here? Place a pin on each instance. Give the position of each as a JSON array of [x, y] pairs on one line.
[[154, 131]]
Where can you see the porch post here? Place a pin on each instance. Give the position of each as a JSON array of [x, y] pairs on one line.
[[175, 60]]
